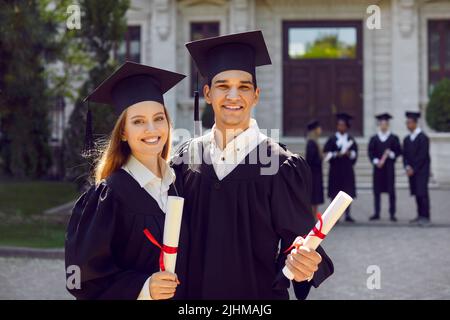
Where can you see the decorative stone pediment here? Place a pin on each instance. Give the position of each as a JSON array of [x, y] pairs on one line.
[[190, 3]]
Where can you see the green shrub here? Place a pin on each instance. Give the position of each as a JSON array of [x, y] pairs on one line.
[[438, 110]]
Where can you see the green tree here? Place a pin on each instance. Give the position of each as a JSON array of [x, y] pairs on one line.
[[103, 28], [27, 44], [438, 110]]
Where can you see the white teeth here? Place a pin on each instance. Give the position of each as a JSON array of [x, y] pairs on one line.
[[233, 107], [151, 140]]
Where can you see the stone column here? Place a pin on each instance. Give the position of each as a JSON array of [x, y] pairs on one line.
[[405, 61], [163, 44], [242, 15]]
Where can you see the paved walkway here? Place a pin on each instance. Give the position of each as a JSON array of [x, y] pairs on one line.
[[413, 261]]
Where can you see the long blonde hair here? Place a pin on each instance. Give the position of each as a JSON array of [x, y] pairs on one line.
[[116, 152]]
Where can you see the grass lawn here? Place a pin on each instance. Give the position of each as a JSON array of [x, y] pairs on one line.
[[34, 197], [41, 234], [22, 222]]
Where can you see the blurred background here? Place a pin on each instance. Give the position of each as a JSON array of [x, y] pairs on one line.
[[363, 57]]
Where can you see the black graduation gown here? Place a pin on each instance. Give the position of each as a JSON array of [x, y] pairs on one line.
[[105, 239], [236, 224], [384, 178], [341, 176], [314, 161], [416, 155]]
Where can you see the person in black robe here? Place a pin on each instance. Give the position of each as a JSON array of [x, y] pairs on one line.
[[105, 237], [384, 149], [314, 158], [341, 151], [416, 160], [247, 197]]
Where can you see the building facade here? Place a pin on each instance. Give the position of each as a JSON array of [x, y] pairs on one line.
[[326, 58]]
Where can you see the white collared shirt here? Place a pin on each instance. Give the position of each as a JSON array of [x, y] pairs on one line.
[[414, 134], [157, 188], [226, 160], [383, 136]]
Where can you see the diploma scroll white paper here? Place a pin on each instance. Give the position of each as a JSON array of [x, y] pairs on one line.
[[172, 226], [334, 211], [346, 147]]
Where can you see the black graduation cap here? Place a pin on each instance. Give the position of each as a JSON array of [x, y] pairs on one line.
[[132, 83], [383, 116], [240, 51], [412, 115], [344, 116], [313, 125], [129, 84]]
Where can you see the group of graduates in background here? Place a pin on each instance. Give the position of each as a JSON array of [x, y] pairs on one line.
[[341, 151]]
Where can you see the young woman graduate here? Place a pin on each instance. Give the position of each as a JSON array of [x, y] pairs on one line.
[[105, 236]]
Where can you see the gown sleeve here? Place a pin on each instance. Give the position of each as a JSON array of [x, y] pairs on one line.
[[328, 146], [89, 245], [312, 154], [422, 154], [371, 150], [397, 148], [292, 216], [354, 148]]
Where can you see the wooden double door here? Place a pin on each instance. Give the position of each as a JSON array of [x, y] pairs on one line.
[[322, 74]]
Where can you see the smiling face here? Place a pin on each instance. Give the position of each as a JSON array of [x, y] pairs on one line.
[[232, 96], [146, 128]]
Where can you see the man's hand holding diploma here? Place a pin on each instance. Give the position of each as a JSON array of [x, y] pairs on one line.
[[303, 262]]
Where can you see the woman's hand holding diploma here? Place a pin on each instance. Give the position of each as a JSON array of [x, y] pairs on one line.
[[163, 285]]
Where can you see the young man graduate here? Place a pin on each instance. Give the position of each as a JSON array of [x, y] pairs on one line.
[[416, 160], [247, 193], [341, 151], [384, 149]]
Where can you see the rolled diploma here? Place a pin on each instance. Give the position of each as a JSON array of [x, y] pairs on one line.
[[347, 147], [334, 211], [172, 226]]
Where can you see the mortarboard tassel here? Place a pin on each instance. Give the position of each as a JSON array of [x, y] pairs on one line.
[[197, 121], [88, 135]]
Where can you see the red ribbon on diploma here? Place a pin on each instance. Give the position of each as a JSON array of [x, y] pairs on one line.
[[164, 249], [314, 233]]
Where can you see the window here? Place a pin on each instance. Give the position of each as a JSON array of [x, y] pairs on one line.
[[57, 121], [201, 30], [130, 48], [322, 43], [438, 52]]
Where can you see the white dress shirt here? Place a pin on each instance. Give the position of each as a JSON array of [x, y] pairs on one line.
[[226, 160], [414, 134], [157, 188]]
